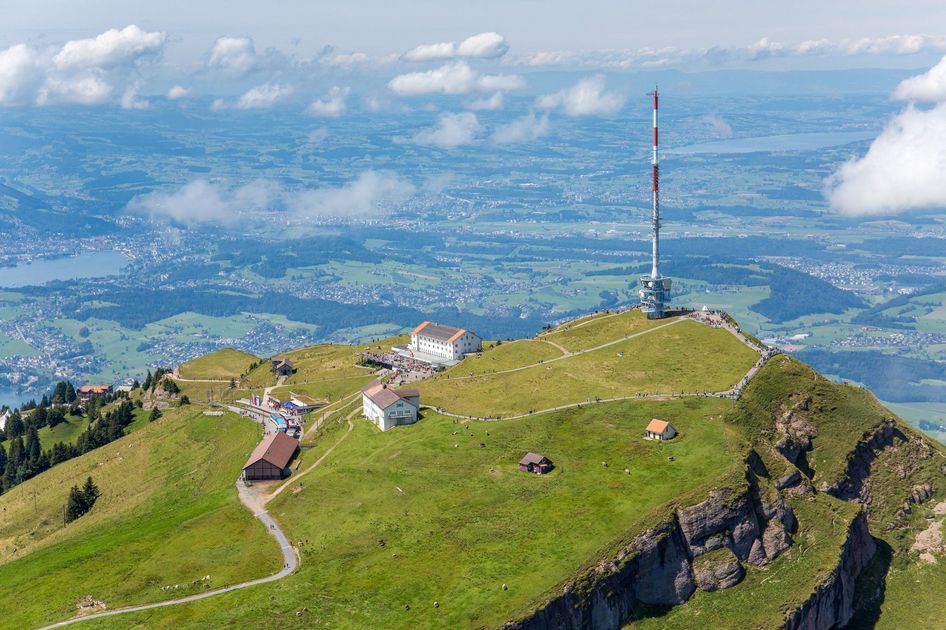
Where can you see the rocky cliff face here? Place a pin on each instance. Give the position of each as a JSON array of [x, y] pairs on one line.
[[851, 486], [702, 546], [832, 604]]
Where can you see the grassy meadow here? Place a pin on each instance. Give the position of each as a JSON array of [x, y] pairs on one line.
[[223, 364], [425, 513], [683, 356], [168, 514]]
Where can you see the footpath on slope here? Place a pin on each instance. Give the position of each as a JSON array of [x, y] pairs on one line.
[[715, 320], [256, 502]]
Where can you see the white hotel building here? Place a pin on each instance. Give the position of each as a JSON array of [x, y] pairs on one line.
[[388, 407], [444, 342]]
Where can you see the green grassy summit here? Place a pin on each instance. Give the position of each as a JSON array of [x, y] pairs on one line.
[[168, 514], [433, 525], [221, 365]]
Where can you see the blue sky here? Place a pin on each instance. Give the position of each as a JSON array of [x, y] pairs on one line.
[[382, 27]]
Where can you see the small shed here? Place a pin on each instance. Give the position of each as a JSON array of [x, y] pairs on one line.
[[660, 430], [282, 367], [271, 457], [535, 463]]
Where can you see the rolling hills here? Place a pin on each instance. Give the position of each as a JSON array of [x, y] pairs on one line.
[[797, 505]]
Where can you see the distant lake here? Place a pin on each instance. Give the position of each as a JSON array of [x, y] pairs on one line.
[[86, 265], [10, 397], [769, 144]]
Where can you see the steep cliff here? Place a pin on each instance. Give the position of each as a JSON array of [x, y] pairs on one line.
[[700, 546], [832, 604]]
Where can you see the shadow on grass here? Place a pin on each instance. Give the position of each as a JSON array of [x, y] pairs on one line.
[[870, 589]]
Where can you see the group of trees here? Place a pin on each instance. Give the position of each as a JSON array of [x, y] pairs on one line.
[[24, 458], [161, 378], [81, 500]]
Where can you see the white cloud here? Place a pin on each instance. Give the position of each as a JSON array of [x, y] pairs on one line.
[[720, 127], [80, 71], [929, 86], [178, 92], [112, 48], [130, 99], [766, 48], [523, 129], [493, 102], [263, 96], [332, 104], [452, 130], [201, 201], [903, 168], [586, 97], [372, 194], [235, 56], [452, 78], [85, 89], [484, 46], [20, 74], [715, 56], [317, 136]]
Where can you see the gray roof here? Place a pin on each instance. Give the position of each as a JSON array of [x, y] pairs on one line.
[[534, 458], [441, 332]]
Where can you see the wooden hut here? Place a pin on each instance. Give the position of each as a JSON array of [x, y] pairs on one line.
[[535, 463], [271, 457]]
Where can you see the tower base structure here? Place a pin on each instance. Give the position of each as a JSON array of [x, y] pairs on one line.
[[655, 296]]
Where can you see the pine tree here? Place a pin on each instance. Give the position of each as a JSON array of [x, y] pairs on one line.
[[148, 379], [155, 414], [75, 506], [91, 492], [71, 395], [135, 384], [33, 450]]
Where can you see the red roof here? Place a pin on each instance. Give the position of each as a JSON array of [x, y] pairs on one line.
[[277, 449], [383, 396], [657, 426], [441, 332], [95, 389]]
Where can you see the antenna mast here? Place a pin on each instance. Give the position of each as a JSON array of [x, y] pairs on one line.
[[655, 289]]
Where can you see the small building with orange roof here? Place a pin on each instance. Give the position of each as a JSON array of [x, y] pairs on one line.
[[660, 430]]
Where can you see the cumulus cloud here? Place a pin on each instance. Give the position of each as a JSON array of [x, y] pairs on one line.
[[234, 56], [452, 78], [587, 97], [372, 194], [493, 102], [84, 89], [523, 129], [178, 92], [332, 104], [929, 86], [759, 51], [263, 96], [317, 136], [131, 100], [112, 48], [20, 74], [452, 130], [484, 46], [903, 168], [81, 71], [201, 201], [720, 127]]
